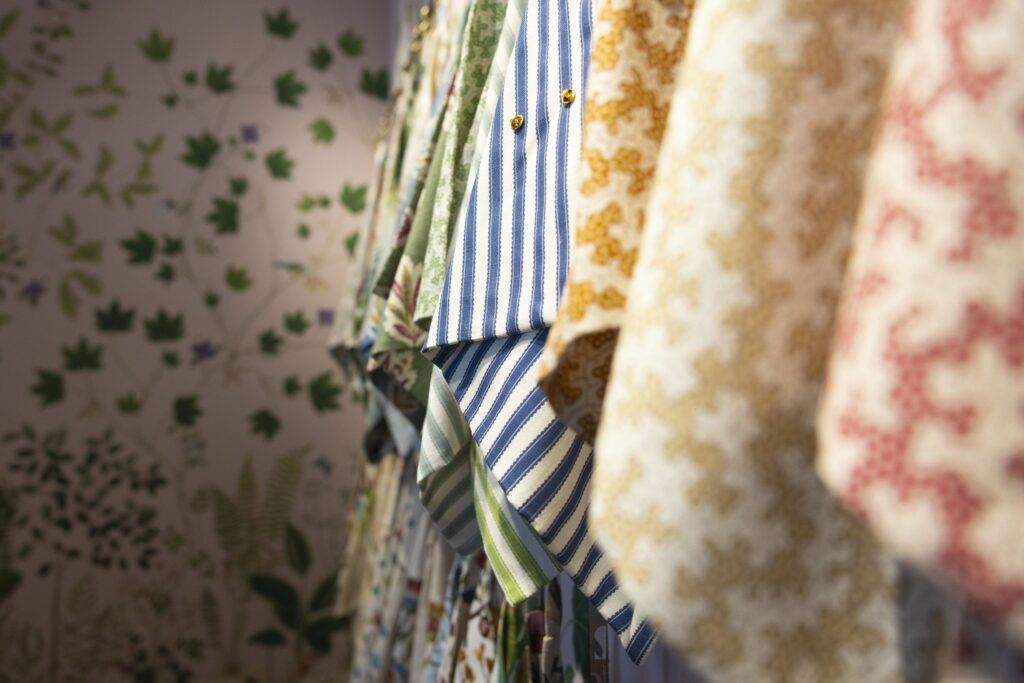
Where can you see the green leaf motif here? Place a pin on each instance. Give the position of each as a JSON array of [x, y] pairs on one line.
[[270, 343], [354, 198], [171, 246], [157, 47], [49, 387], [224, 216], [9, 579], [141, 247], [264, 423], [296, 549], [166, 273], [237, 278], [291, 385], [67, 232], [280, 24], [128, 404], [218, 78], [374, 83], [268, 637], [350, 43], [303, 231], [82, 356], [323, 393], [211, 299], [200, 150], [318, 633], [325, 594], [279, 165], [320, 57], [170, 358], [164, 327], [351, 242], [238, 186], [190, 77], [283, 597], [186, 410], [87, 251], [288, 89], [114, 318], [296, 322], [322, 130]]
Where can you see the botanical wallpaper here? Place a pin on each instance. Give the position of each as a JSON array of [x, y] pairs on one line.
[[181, 184]]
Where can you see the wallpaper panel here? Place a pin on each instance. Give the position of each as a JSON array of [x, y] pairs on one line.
[[180, 186]]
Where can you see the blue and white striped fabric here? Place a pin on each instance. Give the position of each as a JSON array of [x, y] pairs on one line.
[[509, 263]]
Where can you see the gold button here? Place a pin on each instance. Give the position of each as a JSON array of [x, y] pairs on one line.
[[568, 96], [517, 121]]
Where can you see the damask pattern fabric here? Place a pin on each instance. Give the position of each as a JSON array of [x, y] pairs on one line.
[[922, 425], [705, 495], [509, 262], [638, 45]]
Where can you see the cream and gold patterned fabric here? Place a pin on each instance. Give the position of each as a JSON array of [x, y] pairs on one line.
[[638, 45], [705, 492]]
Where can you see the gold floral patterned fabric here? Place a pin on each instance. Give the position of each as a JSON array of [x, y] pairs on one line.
[[922, 426], [638, 45], [705, 493]]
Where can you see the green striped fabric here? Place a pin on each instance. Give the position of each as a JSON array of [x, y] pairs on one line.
[[519, 559]]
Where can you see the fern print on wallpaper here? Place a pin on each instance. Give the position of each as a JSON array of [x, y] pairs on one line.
[[180, 184]]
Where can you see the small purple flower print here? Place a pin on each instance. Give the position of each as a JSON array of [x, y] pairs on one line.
[[325, 316], [203, 350], [32, 291], [250, 133], [7, 139]]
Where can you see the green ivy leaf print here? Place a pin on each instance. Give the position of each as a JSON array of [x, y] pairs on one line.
[[140, 247], [270, 342], [322, 131], [9, 580], [166, 273], [351, 242], [224, 216], [269, 637], [164, 327], [171, 246], [354, 198], [296, 549], [82, 356], [303, 231], [279, 165], [190, 77], [218, 78], [323, 393], [283, 597], [288, 89], [320, 57], [128, 404], [319, 631], [186, 410], [296, 322], [114, 318], [350, 43], [67, 232], [49, 387], [157, 47], [292, 385], [238, 186], [237, 278], [211, 299], [171, 359], [280, 24], [375, 83], [264, 423], [201, 150]]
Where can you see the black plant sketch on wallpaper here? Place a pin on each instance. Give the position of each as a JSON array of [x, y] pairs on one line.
[[124, 208]]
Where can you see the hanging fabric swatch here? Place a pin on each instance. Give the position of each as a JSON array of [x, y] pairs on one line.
[[922, 425], [706, 498]]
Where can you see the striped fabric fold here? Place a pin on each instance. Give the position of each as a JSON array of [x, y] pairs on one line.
[[509, 263], [469, 505]]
